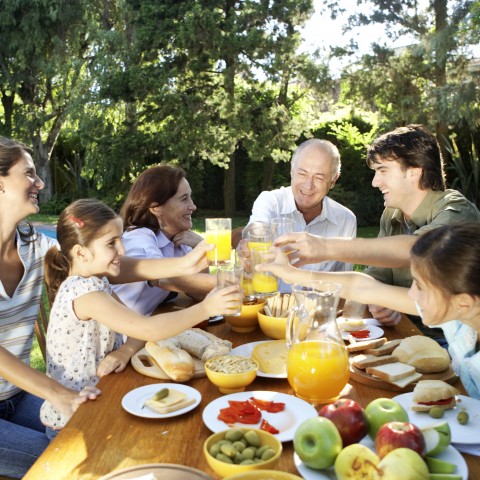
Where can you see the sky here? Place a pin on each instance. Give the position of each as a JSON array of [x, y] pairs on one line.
[[321, 32]]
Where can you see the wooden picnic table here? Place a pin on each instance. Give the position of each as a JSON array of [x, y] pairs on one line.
[[102, 437]]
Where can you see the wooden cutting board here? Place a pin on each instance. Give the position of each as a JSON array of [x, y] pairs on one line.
[[362, 376], [143, 363]]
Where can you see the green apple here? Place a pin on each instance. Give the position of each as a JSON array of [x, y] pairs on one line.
[[445, 476], [437, 437], [383, 410], [317, 442], [356, 461], [404, 464], [435, 465]]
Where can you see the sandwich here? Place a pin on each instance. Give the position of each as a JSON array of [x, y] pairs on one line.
[[423, 353], [433, 393], [168, 400]]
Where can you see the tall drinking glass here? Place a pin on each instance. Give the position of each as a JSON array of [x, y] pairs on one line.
[[259, 235], [219, 232], [264, 283], [228, 275]]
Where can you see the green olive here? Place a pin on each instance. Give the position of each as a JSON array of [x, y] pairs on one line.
[[234, 434], [436, 412], [161, 394], [462, 417], [252, 438]]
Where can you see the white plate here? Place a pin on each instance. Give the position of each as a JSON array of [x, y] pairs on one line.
[[469, 433], [296, 411], [246, 351], [449, 455], [375, 332], [133, 402]]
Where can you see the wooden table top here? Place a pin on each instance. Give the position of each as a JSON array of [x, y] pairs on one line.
[[102, 437]]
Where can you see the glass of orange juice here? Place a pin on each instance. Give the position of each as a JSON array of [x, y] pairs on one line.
[[259, 235], [263, 283], [219, 232], [317, 362]]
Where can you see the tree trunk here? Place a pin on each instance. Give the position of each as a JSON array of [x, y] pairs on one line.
[[41, 159], [268, 172], [441, 48], [229, 188], [7, 104]]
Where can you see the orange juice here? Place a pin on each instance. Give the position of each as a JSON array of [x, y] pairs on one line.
[[252, 245], [264, 283], [223, 246], [247, 285], [318, 370]]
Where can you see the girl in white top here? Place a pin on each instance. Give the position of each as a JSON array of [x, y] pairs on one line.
[[86, 317], [445, 265]]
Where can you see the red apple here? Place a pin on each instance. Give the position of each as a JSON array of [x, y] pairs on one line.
[[348, 417], [394, 435]]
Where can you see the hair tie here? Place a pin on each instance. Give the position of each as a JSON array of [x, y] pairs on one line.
[[79, 222]]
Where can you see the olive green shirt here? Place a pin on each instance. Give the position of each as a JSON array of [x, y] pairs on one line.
[[437, 209]]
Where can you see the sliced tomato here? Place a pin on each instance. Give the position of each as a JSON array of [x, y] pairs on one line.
[[227, 416], [267, 405], [444, 401], [361, 334], [240, 412], [268, 427]]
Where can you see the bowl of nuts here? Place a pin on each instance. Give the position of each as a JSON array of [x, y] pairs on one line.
[[231, 373], [239, 450]]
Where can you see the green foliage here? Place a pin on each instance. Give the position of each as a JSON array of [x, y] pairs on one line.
[[467, 172]]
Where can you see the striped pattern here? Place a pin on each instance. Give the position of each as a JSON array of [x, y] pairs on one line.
[[18, 314]]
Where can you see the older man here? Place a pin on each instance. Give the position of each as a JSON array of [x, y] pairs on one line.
[[409, 171], [315, 168]]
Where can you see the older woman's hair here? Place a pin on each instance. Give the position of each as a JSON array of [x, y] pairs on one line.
[[79, 224], [153, 187], [448, 257]]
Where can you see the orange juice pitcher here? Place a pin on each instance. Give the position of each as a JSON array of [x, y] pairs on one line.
[[317, 363]]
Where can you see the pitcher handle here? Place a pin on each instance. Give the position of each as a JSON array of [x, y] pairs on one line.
[[290, 331]]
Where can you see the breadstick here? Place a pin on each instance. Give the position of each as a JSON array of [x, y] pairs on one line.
[[268, 311]]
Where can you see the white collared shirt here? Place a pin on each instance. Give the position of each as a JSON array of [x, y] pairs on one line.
[[334, 221]]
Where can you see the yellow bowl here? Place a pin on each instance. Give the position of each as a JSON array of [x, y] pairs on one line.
[[226, 469], [263, 475], [231, 382], [272, 327], [247, 321]]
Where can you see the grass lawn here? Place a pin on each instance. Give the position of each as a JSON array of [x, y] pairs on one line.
[[36, 359]]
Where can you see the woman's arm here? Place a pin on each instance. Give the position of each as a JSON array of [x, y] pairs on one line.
[[196, 286], [37, 383], [138, 269]]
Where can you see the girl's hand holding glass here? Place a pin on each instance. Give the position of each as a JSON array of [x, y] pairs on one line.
[[222, 301]]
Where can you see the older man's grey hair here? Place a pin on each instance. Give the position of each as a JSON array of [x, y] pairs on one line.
[[323, 146]]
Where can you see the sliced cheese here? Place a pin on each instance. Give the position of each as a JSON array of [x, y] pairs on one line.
[[271, 357], [165, 405]]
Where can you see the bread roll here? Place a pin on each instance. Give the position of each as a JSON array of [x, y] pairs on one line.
[[423, 353], [175, 362], [202, 344]]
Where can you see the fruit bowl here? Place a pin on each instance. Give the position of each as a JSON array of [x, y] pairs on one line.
[[231, 373], [224, 469], [272, 327], [247, 320]]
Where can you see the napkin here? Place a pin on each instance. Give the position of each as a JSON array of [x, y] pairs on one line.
[[472, 449]]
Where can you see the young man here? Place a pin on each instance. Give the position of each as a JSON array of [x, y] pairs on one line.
[[315, 168], [409, 171]]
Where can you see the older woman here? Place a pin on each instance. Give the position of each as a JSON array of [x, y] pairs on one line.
[[157, 218]]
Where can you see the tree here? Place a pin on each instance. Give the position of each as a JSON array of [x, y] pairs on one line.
[[44, 48], [428, 82]]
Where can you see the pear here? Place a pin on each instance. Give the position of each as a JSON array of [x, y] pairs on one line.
[[356, 461], [437, 437], [435, 465], [403, 464]]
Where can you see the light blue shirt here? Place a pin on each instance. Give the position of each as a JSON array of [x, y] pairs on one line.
[[463, 348]]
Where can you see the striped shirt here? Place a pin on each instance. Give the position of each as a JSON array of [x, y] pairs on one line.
[[18, 313]]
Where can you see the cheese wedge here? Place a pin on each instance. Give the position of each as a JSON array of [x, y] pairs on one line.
[[271, 357], [175, 400]]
